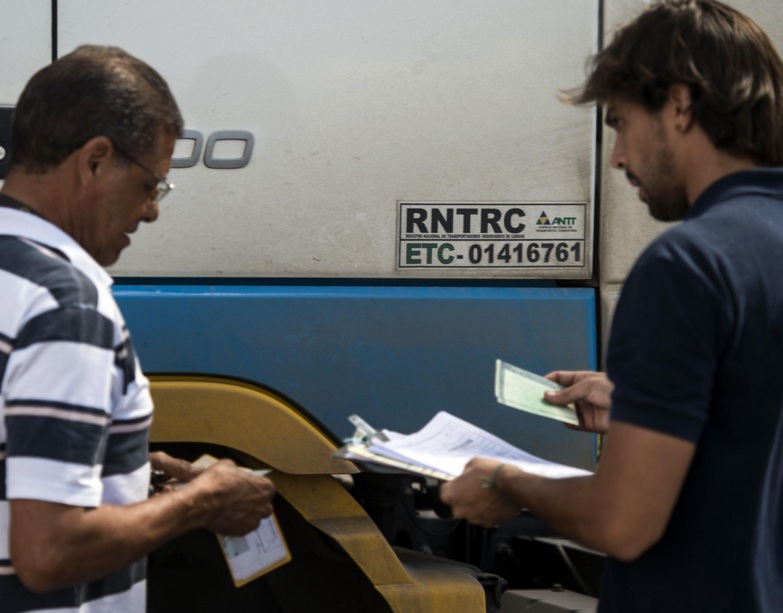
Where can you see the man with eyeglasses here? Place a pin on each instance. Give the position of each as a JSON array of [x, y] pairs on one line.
[[92, 140]]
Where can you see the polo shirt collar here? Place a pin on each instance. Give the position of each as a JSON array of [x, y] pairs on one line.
[[754, 181], [19, 223]]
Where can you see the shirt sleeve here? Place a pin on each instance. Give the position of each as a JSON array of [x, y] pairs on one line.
[[671, 325], [57, 396]]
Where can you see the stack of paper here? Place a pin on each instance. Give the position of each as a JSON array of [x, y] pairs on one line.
[[443, 447]]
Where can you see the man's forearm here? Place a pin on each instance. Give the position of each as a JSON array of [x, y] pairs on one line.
[[624, 507], [570, 507], [56, 545], [76, 545], [620, 510]]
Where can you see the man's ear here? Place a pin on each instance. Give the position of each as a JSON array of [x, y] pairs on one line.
[[93, 157], [681, 99]]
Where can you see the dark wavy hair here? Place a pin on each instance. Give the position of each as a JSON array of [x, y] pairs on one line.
[[93, 91], [729, 63]]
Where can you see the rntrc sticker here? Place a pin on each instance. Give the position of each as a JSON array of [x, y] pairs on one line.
[[522, 235]]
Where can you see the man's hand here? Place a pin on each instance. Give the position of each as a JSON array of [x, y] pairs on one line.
[[591, 393], [478, 495], [167, 470], [236, 500]]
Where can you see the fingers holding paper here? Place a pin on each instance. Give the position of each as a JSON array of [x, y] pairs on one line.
[[167, 468], [480, 495], [591, 393], [220, 496], [238, 500]]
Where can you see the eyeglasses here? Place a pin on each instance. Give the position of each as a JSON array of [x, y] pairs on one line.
[[161, 189]]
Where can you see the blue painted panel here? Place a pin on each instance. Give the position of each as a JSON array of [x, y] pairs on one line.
[[394, 355]]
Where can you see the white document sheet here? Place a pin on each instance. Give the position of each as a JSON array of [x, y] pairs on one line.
[[256, 553], [443, 447]]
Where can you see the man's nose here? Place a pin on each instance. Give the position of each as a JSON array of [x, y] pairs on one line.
[[618, 156], [151, 212]]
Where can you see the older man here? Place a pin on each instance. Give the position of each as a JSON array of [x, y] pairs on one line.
[[92, 140]]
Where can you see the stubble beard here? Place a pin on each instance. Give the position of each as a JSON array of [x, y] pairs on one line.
[[666, 198]]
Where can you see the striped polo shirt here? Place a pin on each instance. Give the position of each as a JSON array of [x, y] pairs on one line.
[[76, 406]]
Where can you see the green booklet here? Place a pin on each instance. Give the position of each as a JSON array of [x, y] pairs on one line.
[[524, 390]]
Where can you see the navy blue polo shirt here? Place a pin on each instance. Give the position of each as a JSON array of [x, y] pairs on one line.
[[696, 351]]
